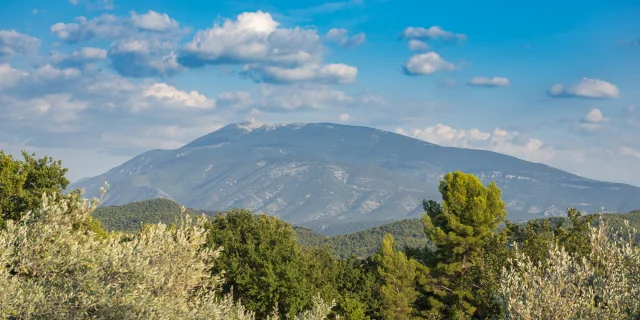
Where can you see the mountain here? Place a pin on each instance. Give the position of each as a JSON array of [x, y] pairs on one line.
[[337, 179]]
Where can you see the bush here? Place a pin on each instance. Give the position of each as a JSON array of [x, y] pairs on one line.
[[603, 285], [52, 267]]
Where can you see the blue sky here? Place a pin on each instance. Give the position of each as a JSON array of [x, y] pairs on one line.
[[95, 82]]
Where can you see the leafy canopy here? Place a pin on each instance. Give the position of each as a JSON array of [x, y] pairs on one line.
[[22, 183]]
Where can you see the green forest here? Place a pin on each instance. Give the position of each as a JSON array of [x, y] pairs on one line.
[[63, 257]]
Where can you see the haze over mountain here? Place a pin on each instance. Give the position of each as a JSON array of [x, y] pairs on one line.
[[337, 177]]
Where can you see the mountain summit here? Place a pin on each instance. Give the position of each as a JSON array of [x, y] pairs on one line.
[[337, 177]]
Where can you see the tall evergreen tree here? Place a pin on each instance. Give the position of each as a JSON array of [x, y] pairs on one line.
[[459, 228], [397, 273]]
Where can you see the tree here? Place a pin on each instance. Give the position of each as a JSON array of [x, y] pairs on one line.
[[397, 274], [262, 263], [22, 183], [536, 237], [359, 287], [459, 228]]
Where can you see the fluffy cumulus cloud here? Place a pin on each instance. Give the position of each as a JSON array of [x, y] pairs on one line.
[[434, 32], [587, 88], [253, 37], [342, 37], [142, 45], [154, 21], [609, 163], [266, 52], [426, 63], [511, 143], [106, 26], [170, 96], [591, 122], [488, 82], [14, 43]]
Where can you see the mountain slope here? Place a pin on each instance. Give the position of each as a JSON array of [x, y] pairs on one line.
[[336, 177]]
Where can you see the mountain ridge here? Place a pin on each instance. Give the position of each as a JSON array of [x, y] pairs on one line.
[[326, 175]]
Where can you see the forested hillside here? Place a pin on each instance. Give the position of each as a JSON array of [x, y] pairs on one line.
[[58, 262], [407, 233]]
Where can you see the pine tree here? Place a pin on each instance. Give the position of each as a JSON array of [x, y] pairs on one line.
[[458, 228], [397, 273]]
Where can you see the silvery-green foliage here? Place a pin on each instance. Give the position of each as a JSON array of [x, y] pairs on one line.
[[319, 311], [53, 268], [604, 285]]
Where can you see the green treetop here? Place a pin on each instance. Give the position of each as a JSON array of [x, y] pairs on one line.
[[22, 183], [459, 228], [397, 274]]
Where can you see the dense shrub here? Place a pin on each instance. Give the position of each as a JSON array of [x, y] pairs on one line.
[[52, 266], [604, 284]]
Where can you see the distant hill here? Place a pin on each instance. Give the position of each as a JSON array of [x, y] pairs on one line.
[[410, 232], [338, 179], [130, 217], [362, 244]]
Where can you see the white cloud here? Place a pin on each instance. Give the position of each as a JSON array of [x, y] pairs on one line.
[[254, 37], [14, 43], [143, 45], [328, 73], [502, 141], [154, 21], [594, 116], [10, 76], [176, 98], [488, 82], [342, 37], [426, 63], [434, 32], [587, 88], [269, 53], [103, 27], [110, 27], [345, 117], [591, 122], [417, 45]]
